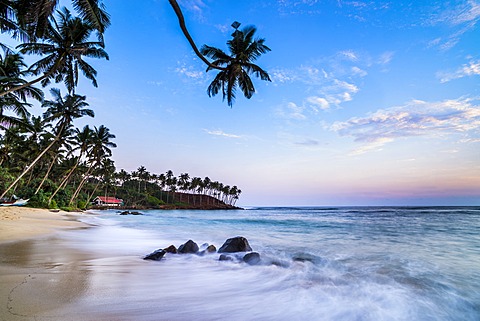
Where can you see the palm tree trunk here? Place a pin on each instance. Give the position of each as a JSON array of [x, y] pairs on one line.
[[65, 180], [25, 84], [46, 175], [29, 167], [80, 185], [93, 192], [181, 21]]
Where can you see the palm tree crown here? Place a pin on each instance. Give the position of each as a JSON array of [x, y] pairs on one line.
[[244, 50], [65, 46]]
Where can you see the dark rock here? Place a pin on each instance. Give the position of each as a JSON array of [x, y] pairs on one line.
[[171, 249], [130, 213], [225, 257], [210, 249], [156, 256], [252, 258], [189, 247], [236, 244]]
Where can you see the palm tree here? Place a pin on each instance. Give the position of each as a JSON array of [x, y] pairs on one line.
[[66, 44], [100, 150], [11, 75], [34, 15], [83, 140], [65, 110], [244, 50]]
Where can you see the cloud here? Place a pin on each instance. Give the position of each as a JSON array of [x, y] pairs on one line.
[[462, 19], [417, 118], [222, 134], [470, 69], [189, 72], [308, 142], [348, 55], [291, 111]]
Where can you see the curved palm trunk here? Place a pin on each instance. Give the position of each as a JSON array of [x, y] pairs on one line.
[[181, 21], [80, 185]]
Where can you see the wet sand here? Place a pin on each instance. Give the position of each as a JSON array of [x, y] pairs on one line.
[[40, 275]]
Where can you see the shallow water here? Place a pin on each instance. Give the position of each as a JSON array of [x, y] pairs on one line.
[[317, 264]]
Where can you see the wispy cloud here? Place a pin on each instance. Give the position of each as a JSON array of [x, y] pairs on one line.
[[291, 111], [470, 69], [462, 19], [221, 133], [417, 118]]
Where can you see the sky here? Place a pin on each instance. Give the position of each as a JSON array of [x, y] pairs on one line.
[[371, 102]]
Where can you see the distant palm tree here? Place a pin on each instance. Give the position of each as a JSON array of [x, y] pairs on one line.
[[65, 110], [101, 149], [244, 50], [66, 44]]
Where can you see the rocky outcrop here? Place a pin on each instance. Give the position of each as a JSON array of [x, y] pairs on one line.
[[235, 244], [233, 248]]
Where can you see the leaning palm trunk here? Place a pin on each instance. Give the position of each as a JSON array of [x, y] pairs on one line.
[[64, 181], [46, 175], [80, 185], [29, 167], [27, 84], [93, 193]]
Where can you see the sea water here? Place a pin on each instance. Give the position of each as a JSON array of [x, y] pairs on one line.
[[358, 263]]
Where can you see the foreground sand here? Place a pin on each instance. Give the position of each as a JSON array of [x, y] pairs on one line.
[[38, 273]]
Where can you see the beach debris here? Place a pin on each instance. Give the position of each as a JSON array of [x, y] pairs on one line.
[[189, 247], [252, 258], [171, 249], [235, 244], [156, 255]]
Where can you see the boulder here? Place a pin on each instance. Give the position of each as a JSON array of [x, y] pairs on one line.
[[236, 244], [189, 247], [211, 249], [171, 249], [252, 258], [225, 257], [156, 256]]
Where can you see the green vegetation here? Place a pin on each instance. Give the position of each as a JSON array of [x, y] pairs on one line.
[[45, 158]]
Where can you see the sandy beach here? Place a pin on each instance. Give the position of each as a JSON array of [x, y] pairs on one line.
[[38, 273]]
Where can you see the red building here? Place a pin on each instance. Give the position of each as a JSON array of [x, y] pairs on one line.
[[107, 201]]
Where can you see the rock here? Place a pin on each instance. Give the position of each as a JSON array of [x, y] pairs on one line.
[[236, 244], [210, 249], [156, 256], [225, 257], [130, 213], [171, 249], [252, 258], [189, 247]]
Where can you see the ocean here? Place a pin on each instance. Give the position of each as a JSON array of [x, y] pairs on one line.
[[317, 263]]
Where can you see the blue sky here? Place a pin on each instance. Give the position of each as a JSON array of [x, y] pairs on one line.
[[371, 102]]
